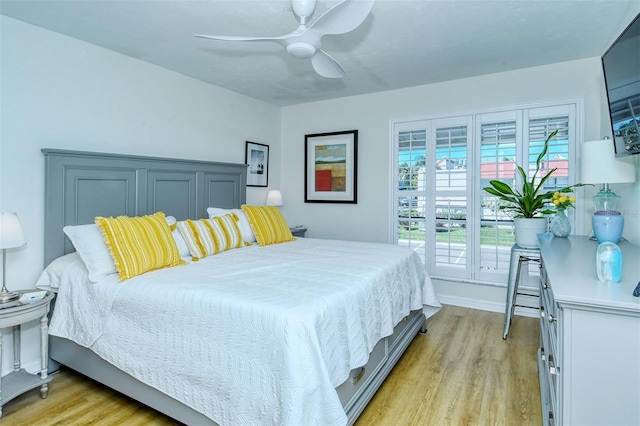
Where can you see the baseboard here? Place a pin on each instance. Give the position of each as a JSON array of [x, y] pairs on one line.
[[485, 305]]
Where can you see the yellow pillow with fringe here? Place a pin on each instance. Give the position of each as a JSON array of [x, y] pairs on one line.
[[268, 224], [206, 237], [139, 244]]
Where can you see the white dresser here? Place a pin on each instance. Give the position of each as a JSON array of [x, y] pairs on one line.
[[589, 356]]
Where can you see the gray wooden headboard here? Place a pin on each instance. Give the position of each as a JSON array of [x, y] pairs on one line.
[[82, 185]]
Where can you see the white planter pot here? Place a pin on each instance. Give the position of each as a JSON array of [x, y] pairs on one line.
[[527, 230]]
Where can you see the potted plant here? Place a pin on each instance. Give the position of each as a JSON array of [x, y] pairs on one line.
[[528, 204]]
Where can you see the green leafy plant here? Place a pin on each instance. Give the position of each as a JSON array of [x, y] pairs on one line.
[[529, 202]]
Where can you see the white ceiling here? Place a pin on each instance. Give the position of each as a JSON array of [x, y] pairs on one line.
[[402, 43]]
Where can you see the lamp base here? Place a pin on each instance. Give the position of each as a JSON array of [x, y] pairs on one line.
[[606, 199], [8, 296], [607, 226]]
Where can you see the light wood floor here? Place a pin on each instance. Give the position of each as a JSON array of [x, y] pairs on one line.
[[460, 373]]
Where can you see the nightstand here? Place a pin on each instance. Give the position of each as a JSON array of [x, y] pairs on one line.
[[14, 314], [298, 231]]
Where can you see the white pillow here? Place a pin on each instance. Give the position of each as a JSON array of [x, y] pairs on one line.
[[51, 276], [243, 223], [177, 236], [89, 243]]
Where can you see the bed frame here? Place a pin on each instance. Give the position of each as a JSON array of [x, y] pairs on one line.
[[82, 185]]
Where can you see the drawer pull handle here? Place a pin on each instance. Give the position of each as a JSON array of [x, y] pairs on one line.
[[357, 377], [552, 365], [552, 318]]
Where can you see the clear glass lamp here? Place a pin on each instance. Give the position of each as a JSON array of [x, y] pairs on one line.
[[599, 165]]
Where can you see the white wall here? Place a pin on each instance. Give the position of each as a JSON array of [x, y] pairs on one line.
[[58, 92], [368, 220]]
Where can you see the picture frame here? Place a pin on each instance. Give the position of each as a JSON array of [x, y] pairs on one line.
[[256, 156], [331, 167]]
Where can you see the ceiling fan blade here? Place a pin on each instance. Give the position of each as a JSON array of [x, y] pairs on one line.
[[278, 39], [343, 17], [326, 66], [240, 38]]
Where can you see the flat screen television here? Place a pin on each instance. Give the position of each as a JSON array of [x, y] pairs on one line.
[[621, 65]]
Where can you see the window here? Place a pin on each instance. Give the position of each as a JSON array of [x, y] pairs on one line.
[[411, 189], [441, 166]]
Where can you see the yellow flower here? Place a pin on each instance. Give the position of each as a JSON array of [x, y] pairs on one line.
[[562, 201]]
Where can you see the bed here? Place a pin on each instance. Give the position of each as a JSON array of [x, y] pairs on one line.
[[302, 332]]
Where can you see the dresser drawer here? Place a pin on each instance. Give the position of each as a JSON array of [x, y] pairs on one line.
[[548, 310], [547, 365], [548, 414]]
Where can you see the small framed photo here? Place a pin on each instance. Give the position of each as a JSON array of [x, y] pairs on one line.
[[331, 167], [256, 155]]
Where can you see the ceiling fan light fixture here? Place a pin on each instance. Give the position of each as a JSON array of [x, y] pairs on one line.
[[303, 9], [301, 50]]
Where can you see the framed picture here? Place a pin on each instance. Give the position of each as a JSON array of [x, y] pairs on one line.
[[331, 167], [256, 155]]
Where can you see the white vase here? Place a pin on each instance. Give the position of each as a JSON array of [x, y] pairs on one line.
[[560, 225], [527, 230]]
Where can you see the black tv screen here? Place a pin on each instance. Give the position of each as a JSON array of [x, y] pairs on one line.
[[621, 64]]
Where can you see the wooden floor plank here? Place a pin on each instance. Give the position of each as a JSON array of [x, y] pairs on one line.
[[460, 373]]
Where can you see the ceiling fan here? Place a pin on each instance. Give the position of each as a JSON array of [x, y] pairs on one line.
[[305, 41]]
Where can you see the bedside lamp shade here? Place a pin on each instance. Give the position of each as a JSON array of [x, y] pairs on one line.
[[10, 237], [274, 198], [598, 165], [10, 231]]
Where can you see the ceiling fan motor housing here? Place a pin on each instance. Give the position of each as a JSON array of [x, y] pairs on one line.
[[301, 50]]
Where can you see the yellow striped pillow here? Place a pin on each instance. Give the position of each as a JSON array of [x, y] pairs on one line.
[[139, 244], [268, 224], [230, 224], [206, 237]]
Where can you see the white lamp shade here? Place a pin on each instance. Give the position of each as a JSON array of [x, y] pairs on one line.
[[10, 231], [274, 198], [599, 165]]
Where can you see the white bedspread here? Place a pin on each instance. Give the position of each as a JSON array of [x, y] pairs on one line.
[[258, 335]]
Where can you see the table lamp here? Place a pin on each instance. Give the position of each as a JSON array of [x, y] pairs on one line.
[[599, 165], [10, 237], [274, 198]]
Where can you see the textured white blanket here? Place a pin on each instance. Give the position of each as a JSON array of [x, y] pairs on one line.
[[258, 335]]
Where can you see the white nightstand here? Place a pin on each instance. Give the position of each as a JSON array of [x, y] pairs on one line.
[[19, 381], [298, 231]]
